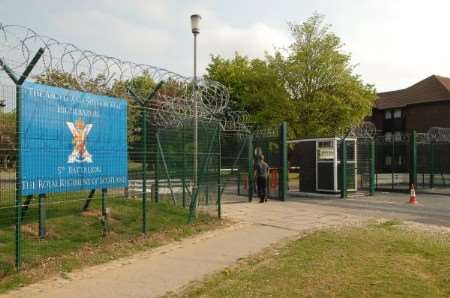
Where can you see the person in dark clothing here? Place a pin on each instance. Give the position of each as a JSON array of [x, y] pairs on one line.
[[261, 170]]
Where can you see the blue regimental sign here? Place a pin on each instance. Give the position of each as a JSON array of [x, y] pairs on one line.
[[71, 140]]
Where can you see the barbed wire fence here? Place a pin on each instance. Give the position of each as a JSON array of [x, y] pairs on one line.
[[160, 141], [398, 161]]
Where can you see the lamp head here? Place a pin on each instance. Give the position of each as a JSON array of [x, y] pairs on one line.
[[195, 22]]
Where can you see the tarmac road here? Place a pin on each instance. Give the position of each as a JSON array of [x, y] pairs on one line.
[[430, 209]]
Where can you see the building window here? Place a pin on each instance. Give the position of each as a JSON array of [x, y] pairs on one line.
[[397, 136], [398, 113], [388, 137], [388, 115], [388, 160]]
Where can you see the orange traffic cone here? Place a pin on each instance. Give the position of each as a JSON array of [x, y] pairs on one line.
[[412, 197]]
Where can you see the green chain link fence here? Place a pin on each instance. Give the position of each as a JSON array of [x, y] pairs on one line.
[[36, 229]]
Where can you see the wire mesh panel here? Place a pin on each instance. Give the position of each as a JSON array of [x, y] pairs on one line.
[[433, 163], [392, 162], [171, 156], [441, 165], [235, 165], [267, 143], [424, 154], [351, 158], [363, 169], [209, 164], [175, 176], [8, 160]]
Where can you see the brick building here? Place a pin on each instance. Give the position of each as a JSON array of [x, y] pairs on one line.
[[418, 107]]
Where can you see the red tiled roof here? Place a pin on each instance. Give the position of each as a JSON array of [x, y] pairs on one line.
[[432, 89]]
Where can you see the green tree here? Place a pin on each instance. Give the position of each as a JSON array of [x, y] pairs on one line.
[[328, 97], [254, 87], [311, 84]]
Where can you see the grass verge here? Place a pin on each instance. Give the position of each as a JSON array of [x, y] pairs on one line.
[[75, 238], [381, 260]]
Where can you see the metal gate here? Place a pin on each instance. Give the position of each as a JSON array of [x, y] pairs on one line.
[[392, 163], [240, 149], [236, 166]]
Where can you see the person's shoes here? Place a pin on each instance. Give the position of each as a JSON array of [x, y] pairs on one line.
[[261, 201]]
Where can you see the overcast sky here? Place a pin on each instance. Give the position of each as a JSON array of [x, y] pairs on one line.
[[394, 43]]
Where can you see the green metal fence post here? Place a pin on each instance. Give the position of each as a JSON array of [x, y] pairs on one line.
[[157, 153], [431, 164], [42, 216], [104, 212], [250, 167], [144, 171], [219, 178], [372, 167], [207, 186], [18, 182], [183, 172], [413, 160], [343, 179], [18, 82], [284, 171], [142, 103], [392, 162], [239, 180]]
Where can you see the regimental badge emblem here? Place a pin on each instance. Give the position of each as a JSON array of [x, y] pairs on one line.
[[79, 131]]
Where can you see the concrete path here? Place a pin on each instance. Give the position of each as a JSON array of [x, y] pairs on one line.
[[156, 272]]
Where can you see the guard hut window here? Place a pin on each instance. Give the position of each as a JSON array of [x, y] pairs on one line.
[[326, 150], [388, 115]]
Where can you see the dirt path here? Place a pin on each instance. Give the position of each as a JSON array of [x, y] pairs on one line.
[[156, 272]]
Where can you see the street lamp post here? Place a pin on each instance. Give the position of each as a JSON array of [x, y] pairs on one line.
[[195, 20]]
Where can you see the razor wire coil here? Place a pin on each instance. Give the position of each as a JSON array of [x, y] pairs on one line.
[[88, 71]]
